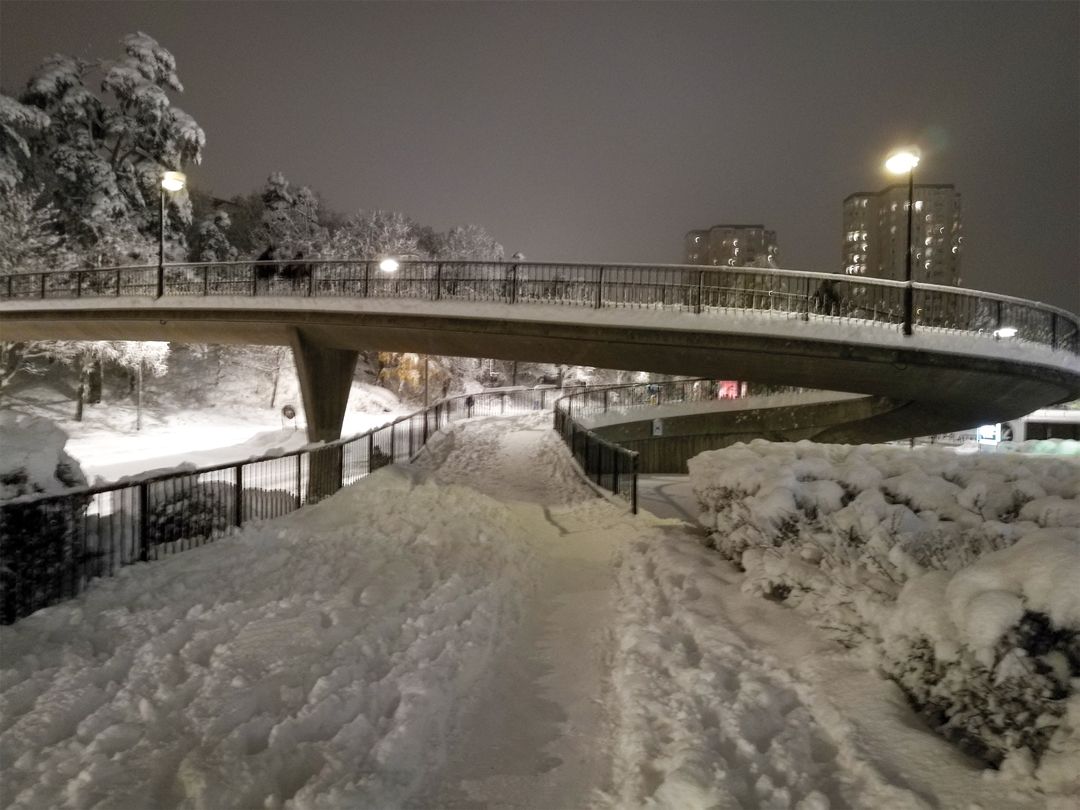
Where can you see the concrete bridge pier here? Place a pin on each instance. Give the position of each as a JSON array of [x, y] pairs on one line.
[[325, 381]]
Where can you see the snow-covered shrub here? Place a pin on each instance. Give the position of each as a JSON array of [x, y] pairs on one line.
[[962, 574], [41, 553]]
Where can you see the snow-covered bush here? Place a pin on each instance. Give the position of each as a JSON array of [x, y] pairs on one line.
[[40, 552], [961, 573]]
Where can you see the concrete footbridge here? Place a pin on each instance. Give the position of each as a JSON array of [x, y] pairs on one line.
[[972, 358]]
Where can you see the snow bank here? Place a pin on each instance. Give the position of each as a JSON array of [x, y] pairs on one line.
[[960, 573], [34, 461], [320, 660]]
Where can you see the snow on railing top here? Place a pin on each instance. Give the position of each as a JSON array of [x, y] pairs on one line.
[[686, 288]]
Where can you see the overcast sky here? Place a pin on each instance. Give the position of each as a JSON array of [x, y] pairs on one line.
[[597, 131]]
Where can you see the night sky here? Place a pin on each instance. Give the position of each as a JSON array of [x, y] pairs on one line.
[[604, 131]]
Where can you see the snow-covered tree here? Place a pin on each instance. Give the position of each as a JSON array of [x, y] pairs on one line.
[[213, 241], [371, 234], [290, 220], [29, 238], [101, 154], [472, 242], [18, 123]]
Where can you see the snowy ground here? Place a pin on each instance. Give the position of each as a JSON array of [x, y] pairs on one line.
[[476, 631]]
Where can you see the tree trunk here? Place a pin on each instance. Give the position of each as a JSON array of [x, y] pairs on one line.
[[93, 393], [80, 397], [277, 376]]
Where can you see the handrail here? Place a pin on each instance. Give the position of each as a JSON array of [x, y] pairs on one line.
[[704, 290]]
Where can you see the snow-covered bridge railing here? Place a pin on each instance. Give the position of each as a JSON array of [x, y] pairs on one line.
[[52, 546], [704, 290]]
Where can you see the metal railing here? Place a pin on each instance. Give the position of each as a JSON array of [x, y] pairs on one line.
[[605, 463], [701, 290], [594, 401], [52, 546], [612, 466]]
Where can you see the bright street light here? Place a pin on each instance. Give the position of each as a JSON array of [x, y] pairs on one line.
[[173, 181], [389, 265], [170, 181], [902, 161]]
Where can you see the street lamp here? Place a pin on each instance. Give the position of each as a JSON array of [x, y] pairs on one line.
[[170, 181], [389, 265], [898, 163]]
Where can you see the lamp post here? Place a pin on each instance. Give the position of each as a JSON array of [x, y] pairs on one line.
[[170, 181], [901, 162]]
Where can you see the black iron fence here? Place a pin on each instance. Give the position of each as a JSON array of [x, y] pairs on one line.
[[701, 290], [52, 546]]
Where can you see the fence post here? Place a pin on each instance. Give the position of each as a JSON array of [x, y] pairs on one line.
[[633, 486], [700, 290], [117, 283], [311, 281], [997, 317], [254, 281], [600, 289], [299, 480], [9, 288], [42, 285], [144, 522], [206, 280], [606, 392], [370, 449], [239, 502], [438, 281], [367, 278], [1053, 330], [78, 283], [502, 403], [511, 276]]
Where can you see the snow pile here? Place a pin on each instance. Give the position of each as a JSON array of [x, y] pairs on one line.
[[319, 660], [34, 461], [962, 573]]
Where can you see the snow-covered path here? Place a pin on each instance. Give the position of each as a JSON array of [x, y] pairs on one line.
[[531, 738], [480, 631]]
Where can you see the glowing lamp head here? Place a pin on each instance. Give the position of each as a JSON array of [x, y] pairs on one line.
[[1005, 332], [173, 181], [902, 162], [389, 265]]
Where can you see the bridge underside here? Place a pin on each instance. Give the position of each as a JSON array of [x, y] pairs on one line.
[[921, 391]]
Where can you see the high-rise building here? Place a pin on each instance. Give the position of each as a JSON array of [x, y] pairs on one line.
[[732, 246], [876, 234]]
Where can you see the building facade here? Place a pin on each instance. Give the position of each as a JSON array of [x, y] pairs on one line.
[[876, 234], [732, 246]]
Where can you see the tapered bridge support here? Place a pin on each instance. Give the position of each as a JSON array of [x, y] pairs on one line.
[[325, 381]]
